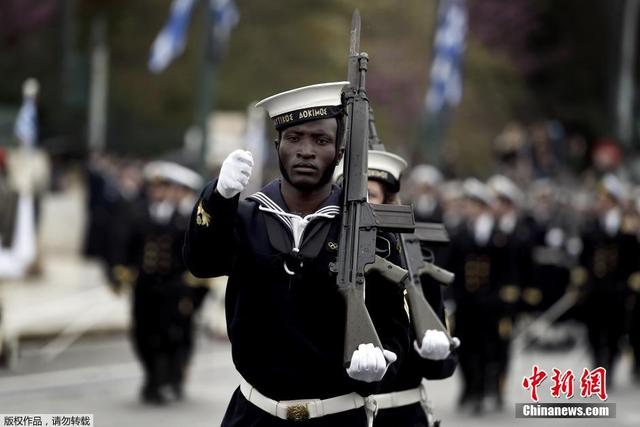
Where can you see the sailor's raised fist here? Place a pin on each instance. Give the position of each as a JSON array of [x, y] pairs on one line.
[[235, 173]]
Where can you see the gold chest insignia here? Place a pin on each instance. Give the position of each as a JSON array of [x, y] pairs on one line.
[[202, 217]]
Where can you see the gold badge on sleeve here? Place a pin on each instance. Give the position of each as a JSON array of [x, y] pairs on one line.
[[202, 217]]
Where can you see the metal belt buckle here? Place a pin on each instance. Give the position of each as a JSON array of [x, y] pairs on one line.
[[298, 412]]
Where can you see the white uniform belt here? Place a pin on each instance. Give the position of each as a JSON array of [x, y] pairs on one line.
[[398, 398], [299, 410]]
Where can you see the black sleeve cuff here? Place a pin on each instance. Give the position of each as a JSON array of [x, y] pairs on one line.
[[212, 200]]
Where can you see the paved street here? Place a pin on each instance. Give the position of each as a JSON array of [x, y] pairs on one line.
[[83, 362], [99, 375]]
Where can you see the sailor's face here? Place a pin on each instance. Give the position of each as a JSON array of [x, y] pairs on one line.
[[307, 150], [375, 192]]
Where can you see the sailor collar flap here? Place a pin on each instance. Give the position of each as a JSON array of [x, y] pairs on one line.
[[291, 233]]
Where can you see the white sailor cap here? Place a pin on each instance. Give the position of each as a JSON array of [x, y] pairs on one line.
[[173, 173], [425, 174], [381, 166], [30, 88], [304, 104], [505, 188], [477, 190], [613, 186]]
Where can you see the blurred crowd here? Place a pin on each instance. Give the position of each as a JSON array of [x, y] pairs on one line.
[[553, 236]]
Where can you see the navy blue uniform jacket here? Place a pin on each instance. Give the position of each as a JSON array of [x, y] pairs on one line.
[[286, 330]]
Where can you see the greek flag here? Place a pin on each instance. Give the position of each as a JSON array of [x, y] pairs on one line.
[[171, 41], [445, 88], [26, 126], [224, 17]]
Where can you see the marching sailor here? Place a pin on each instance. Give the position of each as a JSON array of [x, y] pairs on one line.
[[285, 316]]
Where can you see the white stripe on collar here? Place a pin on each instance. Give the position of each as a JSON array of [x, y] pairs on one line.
[[295, 223]]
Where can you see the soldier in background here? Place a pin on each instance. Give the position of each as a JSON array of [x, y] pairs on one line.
[[549, 238], [452, 205], [423, 192], [17, 232], [403, 401], [17, 241], [610, 257], [27, 166], [148, 250], [481, 263], [512, 232], [102, 205]]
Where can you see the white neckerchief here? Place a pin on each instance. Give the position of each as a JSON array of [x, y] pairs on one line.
[[612, 221], [554, 237], [161, 211], [295, 223], [508, 222], [482, 229], [425, 204]]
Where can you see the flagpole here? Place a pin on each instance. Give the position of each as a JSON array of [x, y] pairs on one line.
[[97, 131], [445, 80], [423, 148], [206, 87]]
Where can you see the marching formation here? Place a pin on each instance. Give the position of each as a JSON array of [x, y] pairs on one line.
[[353, 279]]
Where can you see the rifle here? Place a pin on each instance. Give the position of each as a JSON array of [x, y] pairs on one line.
[[423, 317], [360, 220]]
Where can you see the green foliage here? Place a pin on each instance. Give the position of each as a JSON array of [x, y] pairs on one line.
[[282, 44]]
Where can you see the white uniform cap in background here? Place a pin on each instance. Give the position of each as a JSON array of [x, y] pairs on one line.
[[174, 173], [475, 189], [505, 188], [425, 174], [382, 166], [304, 104]]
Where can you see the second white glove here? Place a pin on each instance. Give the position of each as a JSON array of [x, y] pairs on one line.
[[369, 363], [235, 173], [435, 345]]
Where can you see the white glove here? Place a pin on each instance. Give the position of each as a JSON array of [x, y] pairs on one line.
[[369, 363], [435, 345], [235, 173]]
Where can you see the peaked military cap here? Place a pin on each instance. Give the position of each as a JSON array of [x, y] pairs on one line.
[[477, 190], [173, 173], [382, 166], [505, 188], [426, 174], [304, 104]]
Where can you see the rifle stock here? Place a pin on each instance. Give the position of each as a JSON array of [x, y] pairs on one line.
[[423, 317]]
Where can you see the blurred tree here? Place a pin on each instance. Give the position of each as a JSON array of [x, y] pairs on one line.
[[524, 60]]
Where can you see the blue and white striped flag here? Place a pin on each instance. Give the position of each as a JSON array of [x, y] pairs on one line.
[[171, 41], [26, 126], [445, 88], [224, 17]]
